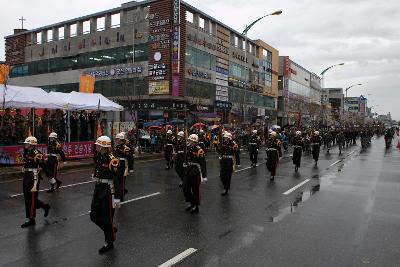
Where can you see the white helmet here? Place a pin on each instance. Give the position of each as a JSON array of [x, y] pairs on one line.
[[316, 133], [254, 131], [201, 131], [298, 133], [31, 140], [52, 135], [181, 134], [169, 132], [120, 136], [193, 138], [227, 135], [103, 141], [273, 133]]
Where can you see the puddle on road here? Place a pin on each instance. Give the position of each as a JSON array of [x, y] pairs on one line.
[[300, 198]]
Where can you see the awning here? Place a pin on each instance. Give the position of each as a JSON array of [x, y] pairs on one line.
[[27, 97]]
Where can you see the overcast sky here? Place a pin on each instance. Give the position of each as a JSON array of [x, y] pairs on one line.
[[365, 34]]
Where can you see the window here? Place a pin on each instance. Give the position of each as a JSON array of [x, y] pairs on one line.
[[198, 58], [86, 27], [201, 23], [244, 45], [236, 41], [250, 48], [210, 27], [49, 35], [60, 33], [115, 20], [72, 30], [38, 37], [189, 16], [101, 22]]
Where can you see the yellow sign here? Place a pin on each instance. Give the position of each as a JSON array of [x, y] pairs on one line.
[[4, 71], [159, 88], [86, 84]]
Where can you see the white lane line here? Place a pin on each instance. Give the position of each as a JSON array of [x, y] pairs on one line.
[[351, 152], [139, 198], [64, 186], [336, 162], [297, 186], [243, 169], [178, 258]]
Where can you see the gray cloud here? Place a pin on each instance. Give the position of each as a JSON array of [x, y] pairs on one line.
[[315, 33]]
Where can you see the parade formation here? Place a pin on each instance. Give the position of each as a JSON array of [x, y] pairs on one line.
[[186, 150]]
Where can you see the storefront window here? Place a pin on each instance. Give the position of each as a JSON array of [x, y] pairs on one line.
[[198, 58]]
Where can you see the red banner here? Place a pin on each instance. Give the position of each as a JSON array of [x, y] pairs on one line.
[[75, 150]]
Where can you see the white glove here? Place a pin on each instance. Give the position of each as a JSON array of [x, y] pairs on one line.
[[65, 163]]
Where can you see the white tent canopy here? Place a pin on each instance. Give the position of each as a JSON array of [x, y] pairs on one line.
[[27, 97], [85, 101]]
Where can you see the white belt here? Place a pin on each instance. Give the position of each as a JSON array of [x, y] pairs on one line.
[[123, 159], [252, 143], [296, 146], [169, 144], [269, 149], [29, 170], [103, 181], [54, 155], [314, 144], [227, 156]]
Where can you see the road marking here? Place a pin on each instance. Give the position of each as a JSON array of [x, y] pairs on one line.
[[64, 186], [178, 258], [351, 152], [139, 198], [297, 186], [10, 181], [250, 167], [336, 162]]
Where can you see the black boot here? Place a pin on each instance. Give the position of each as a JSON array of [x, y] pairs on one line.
[[194, 210], [51, 189], [272, 178], [58, 184], [189, 207], [46, 210], [31, 222], [224, 193], [106, 248]]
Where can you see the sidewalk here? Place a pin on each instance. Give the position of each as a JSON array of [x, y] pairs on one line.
[[14, 172]]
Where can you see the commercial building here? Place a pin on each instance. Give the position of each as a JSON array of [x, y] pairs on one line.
[[158, 58], [299, 100]]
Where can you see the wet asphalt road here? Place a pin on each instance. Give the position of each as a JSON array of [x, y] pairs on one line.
[[345, 212]]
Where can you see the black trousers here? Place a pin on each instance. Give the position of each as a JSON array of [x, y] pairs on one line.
[[102, 212], [52, 163], [179, 160], [272, 160], [297, 152], [253, 154], [226, 172], [191, 189], [32, 203], [315, 152], [237, 157], [119, 182]]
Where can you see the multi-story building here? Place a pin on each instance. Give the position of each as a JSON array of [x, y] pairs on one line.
[[299, 100], [158, 58]]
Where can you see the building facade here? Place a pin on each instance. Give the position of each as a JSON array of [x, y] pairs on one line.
[[158, 58], [299, 96]]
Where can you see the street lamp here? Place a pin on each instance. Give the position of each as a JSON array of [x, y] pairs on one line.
[[347, 89], [325, 70], [248, 27]]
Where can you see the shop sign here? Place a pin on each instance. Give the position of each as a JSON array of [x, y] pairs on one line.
[[175, 50], [159, 23], [159, 88], [157, 105], [223, 105], [157, 71], [221, 93], [199, 74], [115, 71], [239, 57], [200, 41], [222, 71], [176, 11]]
